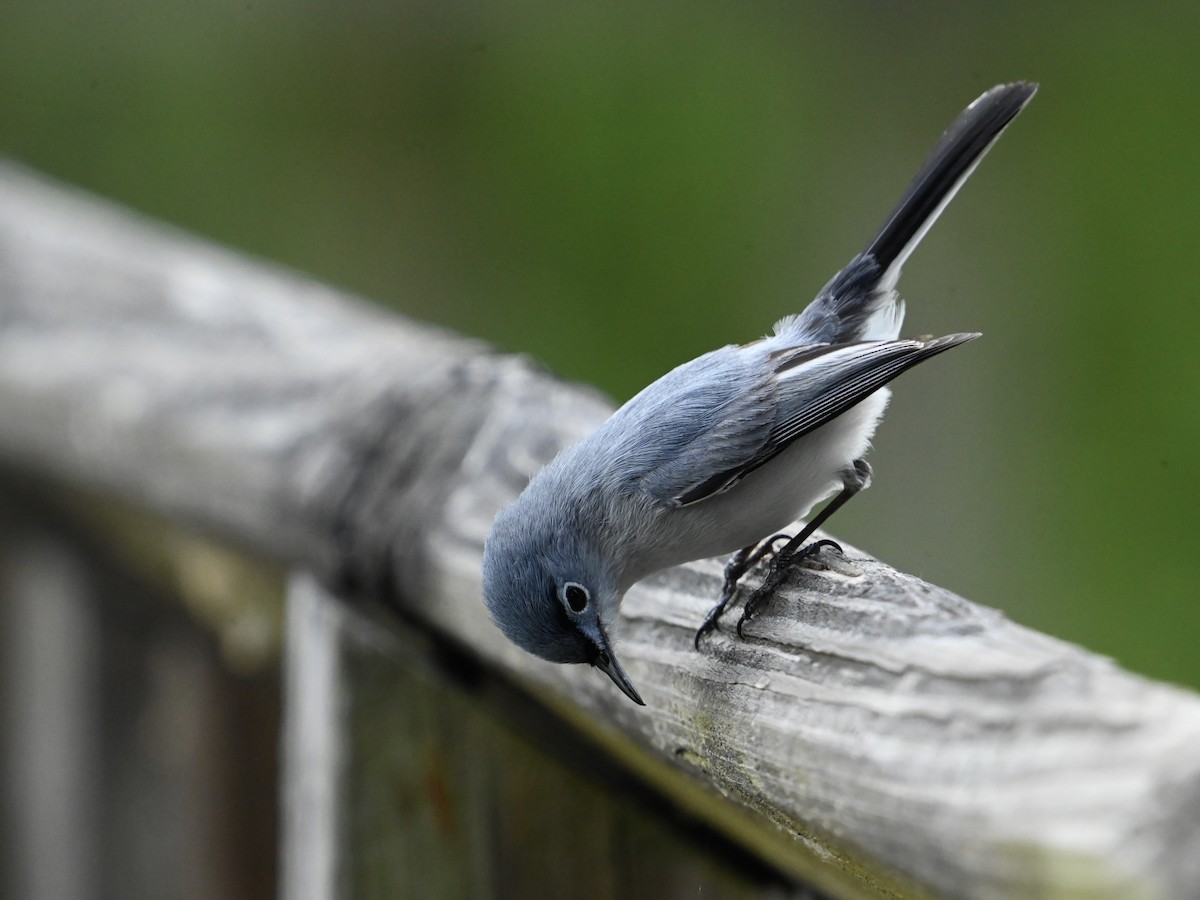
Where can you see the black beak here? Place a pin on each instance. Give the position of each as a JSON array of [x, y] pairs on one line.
[[607, 663]]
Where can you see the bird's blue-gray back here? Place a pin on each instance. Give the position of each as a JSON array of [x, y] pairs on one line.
[[725, 414]]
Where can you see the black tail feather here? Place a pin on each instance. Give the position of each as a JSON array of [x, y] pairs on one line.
[[860, 302], [960, 148]]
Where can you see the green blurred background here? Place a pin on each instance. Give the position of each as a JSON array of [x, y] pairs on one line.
[[614, 188]]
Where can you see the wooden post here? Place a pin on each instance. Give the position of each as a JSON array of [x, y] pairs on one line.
[[313, 752]]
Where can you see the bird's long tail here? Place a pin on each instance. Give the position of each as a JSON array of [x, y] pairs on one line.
[[950, 164], [859, 303]]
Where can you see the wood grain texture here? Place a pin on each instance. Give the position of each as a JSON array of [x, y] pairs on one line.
[[874, 733], [404, 785]]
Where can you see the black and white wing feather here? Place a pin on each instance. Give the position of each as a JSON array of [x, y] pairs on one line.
[[815, 385], [713, 433]]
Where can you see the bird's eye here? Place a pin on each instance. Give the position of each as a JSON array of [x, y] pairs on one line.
[[576, 595]]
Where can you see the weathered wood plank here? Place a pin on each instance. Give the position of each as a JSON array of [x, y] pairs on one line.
[[49, 693], [874, 734], [400, 783], [133, 763]]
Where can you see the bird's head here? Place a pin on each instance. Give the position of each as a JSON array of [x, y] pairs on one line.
[[551, 593]]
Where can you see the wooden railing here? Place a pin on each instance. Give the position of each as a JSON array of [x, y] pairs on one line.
[[236, 434]]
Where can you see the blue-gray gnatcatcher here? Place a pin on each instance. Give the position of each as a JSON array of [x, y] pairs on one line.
[[725, 450]]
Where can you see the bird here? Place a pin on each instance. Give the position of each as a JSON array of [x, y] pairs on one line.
[[722, 452]]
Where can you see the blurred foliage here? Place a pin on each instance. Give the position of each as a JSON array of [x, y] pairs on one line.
[[614, 188]]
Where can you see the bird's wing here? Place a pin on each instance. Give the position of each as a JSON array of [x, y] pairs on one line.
[[708, 415], [740, 413]]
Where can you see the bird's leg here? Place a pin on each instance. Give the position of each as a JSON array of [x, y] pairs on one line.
[[856, 478], [739, 564]]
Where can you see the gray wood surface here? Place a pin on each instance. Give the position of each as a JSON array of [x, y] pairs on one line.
[[133, 762], [398, 783], [874, 734]]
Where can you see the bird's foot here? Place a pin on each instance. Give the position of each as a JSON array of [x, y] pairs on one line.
[[739, 564], [780, 566]]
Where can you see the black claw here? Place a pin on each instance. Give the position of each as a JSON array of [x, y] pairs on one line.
[[744, 618], [739, 564], [815, 547], [779, 570], [745, 560], [709, 623]]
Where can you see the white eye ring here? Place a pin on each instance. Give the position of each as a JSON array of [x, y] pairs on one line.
[[576, 596]]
